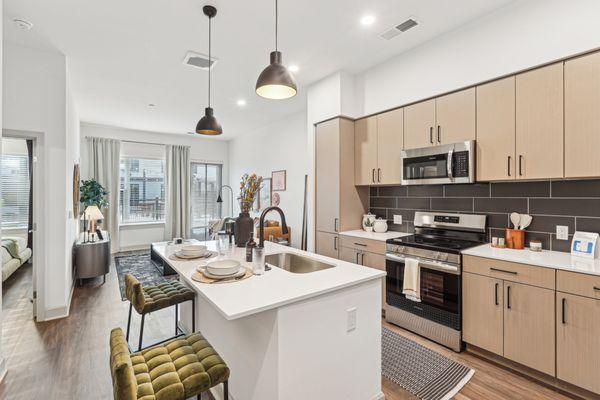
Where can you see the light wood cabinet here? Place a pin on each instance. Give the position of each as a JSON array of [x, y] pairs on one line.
[[365, 151], [350, 255], [578, 340], [367, 259], [529, 326], [496, 130], [582, 116], [483, 319], [419, 124], [455, 117], [327, 244], [539, 123]]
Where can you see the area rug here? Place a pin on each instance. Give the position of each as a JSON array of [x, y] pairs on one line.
[[420, 371], [142, 267]]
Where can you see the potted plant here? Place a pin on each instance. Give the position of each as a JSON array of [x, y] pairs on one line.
[[92, 194], [369, 225]]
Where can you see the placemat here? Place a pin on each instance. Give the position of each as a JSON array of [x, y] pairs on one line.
[[211, 255], [199, 277]]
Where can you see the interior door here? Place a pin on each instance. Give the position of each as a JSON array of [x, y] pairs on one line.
[[539, 123], [204, 190], [496, 130], [390, 142], [419, 122], [529, 326], [365, 151], [578, 340], [483, 319], [327, 175], [455, 117]]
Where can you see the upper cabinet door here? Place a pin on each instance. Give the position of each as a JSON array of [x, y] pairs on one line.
[[390, 135], [582, 116], [327, 175], [455, 117], [419, 124], [539, 116], [365, 151], [496, 130]]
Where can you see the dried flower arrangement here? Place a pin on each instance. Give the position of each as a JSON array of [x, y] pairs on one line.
[[249, 187]]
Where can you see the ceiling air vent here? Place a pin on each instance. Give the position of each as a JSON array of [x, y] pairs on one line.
[[400, 28], [198, 60]]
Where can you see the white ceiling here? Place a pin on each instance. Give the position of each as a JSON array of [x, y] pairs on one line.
[[125, 54]]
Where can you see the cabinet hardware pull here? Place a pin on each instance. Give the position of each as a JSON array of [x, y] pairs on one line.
[[496, 294], [357, 254], [503, 270], [373, 175], [564, 314], [508, 297], [509, 166], [596, 288], [360, 244], [335, 224], [439, 134], [379, 175], [335, 239], [431, 134], [520, 165], [362, 259]]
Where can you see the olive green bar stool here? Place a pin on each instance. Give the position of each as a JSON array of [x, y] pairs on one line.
[[176, 370], [148, 299]]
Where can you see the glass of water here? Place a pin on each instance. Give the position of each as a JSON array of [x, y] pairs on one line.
[[223, 244], [258, 261]]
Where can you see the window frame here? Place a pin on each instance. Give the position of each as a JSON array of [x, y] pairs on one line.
[[163, 191], [206, 164], [20, 224]]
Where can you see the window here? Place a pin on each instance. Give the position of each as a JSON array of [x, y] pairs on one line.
[[15, 191], [205, 185], [142, 190]]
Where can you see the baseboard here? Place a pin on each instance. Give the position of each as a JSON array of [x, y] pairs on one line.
[[378, 396], [59, 312], [3, 369]]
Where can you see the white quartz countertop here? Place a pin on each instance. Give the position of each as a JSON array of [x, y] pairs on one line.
[[545, 258], [374, 235], [276, 287]]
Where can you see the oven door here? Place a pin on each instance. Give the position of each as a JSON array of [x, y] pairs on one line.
[[451, 163], [440, 290]]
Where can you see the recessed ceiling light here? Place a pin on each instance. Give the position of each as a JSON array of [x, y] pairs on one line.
[[151, 105], [21, 23], [293, 68], [241, 102], [367, 20]]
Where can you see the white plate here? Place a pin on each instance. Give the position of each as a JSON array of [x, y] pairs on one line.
[[223, 267], [193, 249], [237, 274], [192, 256]]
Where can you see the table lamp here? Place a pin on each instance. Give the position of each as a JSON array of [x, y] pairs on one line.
[[92, 213]]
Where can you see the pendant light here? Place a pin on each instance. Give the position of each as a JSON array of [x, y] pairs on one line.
[[276, 82], [208, 125]]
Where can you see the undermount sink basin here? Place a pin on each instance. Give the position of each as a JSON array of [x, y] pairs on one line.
[[296, 263]]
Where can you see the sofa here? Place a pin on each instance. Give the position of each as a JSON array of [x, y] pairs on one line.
[[14, 254]]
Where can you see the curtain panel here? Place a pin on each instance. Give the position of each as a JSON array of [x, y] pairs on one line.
[[177, 192]]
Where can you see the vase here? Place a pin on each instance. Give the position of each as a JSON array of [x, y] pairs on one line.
[[244, 225]]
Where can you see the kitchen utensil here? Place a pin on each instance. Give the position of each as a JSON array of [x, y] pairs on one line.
[[525, 221], [515, 218], [223, 267], [515, 239]]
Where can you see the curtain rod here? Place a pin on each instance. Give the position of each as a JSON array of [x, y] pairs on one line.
[[134, 141]]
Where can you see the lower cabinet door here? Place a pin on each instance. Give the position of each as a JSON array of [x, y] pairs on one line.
[[327, 244], [371, 260], [483, 312], [350, 255], [529, 326], [578, 341]]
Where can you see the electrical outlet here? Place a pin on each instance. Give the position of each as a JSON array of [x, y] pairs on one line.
[[350, 319], [562, 232], [398, 219]]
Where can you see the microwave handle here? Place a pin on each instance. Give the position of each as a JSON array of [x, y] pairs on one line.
[[450, 163]]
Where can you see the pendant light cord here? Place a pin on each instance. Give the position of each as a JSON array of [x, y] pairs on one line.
[[209, 55], [276, 23]]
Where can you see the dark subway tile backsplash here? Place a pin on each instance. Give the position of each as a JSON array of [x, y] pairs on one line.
[[575, 204]]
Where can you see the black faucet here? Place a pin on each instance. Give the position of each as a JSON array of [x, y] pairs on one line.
[[261, 228]]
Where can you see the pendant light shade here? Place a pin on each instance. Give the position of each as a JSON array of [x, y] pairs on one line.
[[208, 125], [276, 82]]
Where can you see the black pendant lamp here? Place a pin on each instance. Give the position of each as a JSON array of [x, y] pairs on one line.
[[208, 125], [276, 82]]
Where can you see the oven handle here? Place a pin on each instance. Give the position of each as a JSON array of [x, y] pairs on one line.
[[428, 264]]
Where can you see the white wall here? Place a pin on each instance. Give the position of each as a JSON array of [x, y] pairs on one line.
[[201, 150], [279, 146]]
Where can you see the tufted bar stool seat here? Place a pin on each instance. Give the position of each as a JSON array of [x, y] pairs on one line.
[[153, 298], [176, 370]]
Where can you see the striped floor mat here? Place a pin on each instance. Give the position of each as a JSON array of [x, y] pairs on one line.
[[419, 370]]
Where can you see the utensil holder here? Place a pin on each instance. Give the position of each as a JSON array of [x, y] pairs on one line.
[[515, 239]]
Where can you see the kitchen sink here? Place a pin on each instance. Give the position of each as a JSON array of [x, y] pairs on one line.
[[296, 263]]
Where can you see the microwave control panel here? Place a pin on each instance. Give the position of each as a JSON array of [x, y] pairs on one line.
[[460, 163]]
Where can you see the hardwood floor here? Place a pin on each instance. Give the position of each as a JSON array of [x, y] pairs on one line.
[[68, 358]]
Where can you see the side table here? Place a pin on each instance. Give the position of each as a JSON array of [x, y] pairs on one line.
[[92, 259]]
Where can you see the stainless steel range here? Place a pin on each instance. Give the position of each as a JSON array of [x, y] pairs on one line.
[[437, 244]]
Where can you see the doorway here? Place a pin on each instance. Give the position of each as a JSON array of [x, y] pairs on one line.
[[206, 182]]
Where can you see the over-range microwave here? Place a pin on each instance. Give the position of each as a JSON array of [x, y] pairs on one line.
[[447, 163]]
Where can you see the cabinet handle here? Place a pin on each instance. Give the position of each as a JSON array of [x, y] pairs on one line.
[[597, 289], [362, 258], [503, 270], [335, 239], [357, 254], [508, 297], [361, 244], [509, 165], [335, 224], [439, 134], [378, 174], [373, 175], [496, 294], [520, 165], [564, 313], [431, 134]]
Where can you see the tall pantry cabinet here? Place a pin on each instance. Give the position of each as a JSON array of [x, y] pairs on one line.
[[339, 204]]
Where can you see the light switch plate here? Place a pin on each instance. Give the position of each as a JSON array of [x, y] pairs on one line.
[[351, 319], [562, 232], [398, 219]]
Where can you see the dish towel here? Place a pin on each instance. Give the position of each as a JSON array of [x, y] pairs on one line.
[[411, 286]]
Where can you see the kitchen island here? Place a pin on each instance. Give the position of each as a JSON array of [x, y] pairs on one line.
[[288, 335]]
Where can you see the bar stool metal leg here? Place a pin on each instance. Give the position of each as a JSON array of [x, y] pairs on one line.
[[129, 322], [176, 320], [226, 390], [193, 315], [141, 332]]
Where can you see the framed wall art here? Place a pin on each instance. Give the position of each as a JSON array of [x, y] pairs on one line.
[[278, 180]]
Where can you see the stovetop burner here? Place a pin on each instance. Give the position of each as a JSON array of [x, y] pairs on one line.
[[451, 245]]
